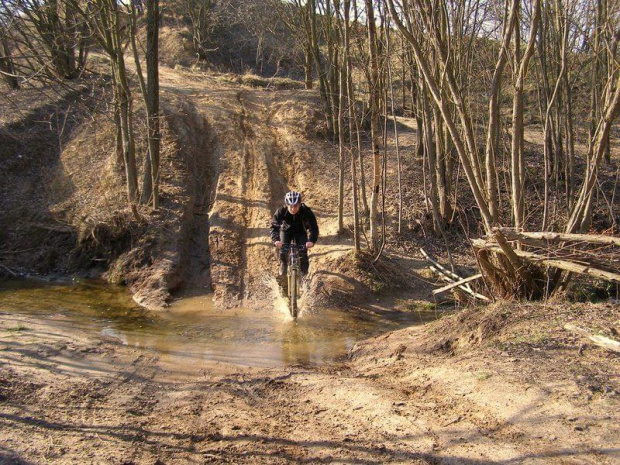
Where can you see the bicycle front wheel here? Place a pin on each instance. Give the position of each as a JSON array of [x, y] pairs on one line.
[[292, 292]]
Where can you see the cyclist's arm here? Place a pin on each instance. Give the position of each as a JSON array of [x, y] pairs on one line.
[[274, 229], [313, 227]]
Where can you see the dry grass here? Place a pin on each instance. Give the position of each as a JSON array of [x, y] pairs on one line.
[[176, 47]]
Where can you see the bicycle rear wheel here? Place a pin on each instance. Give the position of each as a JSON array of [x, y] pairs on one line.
[[292, 292]]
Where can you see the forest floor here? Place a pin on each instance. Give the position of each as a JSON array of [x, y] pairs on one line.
[[498, 384]]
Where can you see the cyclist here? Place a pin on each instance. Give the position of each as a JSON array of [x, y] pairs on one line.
[[296, 221]]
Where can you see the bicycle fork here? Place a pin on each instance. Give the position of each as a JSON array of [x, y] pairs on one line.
[[293, 283]]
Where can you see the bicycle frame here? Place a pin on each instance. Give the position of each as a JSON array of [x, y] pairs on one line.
[[293, 257], [293, 275]]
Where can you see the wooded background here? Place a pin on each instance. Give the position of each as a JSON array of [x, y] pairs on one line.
[[475, 75]]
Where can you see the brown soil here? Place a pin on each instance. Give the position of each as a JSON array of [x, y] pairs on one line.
[[63, 198], [230, 153], [505, 384]]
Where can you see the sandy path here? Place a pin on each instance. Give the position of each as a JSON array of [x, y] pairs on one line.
[[264, 187], [249, 187], [67, 399]]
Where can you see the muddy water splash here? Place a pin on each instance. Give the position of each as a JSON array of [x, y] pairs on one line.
[[193, 329]]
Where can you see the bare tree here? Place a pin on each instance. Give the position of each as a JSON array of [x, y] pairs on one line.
[[50, 33], [375, 108], [517, 166], [107, 22], [204, 19], [7, 68]]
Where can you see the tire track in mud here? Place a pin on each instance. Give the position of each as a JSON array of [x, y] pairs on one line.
[[230, 211], [250, 184], [261, 185], [248, 162]]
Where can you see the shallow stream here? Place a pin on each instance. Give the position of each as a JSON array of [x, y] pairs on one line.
[[193, 329]]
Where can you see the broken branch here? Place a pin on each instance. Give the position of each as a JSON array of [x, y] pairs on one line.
[[597, 339]]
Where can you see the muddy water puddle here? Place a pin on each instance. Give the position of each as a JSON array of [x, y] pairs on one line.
[[192, 330]]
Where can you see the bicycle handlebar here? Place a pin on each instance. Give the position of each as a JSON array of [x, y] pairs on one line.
[[289, 246]]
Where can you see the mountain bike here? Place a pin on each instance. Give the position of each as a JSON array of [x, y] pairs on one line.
[[293, 276]]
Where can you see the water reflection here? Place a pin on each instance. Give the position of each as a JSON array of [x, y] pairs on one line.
[[193, 329]]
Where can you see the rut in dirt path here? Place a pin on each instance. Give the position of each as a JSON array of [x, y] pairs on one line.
[[264, 189], [250, 187]]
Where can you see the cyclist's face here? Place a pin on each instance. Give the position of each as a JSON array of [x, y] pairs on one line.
[[293, 209]]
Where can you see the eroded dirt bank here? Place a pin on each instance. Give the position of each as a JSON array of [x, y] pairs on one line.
[[497, 385], [63, 197]]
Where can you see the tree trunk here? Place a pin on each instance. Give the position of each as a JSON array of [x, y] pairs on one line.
[[352, 119], [517, 168], [152, 92], [124, 98], [374, 117], [569, 166], [6, 63], [316, 53], [308, 67], [431, 157], [342, 85], [396, 145], [580, 215]]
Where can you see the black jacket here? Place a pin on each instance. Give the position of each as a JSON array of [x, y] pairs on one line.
[[304, 220]]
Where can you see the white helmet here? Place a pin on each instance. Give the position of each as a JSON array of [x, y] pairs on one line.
[[292, 198]]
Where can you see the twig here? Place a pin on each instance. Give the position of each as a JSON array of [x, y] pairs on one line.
[[10, 271], [601, 341], [457, 284]]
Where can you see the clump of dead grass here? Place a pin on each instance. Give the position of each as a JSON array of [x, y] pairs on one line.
[[519, 326], [277, 83], [353, 278]]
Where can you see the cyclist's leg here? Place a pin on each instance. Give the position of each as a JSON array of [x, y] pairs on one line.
[[304, 263], [286, 239]]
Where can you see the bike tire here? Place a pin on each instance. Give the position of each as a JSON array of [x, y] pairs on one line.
[[292, 292]]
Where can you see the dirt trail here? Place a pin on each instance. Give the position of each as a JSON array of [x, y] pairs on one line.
[[246, 189], [67, 398], [264, 187], [261, 153], [136, 407]]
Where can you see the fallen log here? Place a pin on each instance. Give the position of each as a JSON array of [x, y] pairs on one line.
[[597, 339], [453, 278], [462, 287], [553, 262], [513, 235], [561, 237], [440, 267]]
